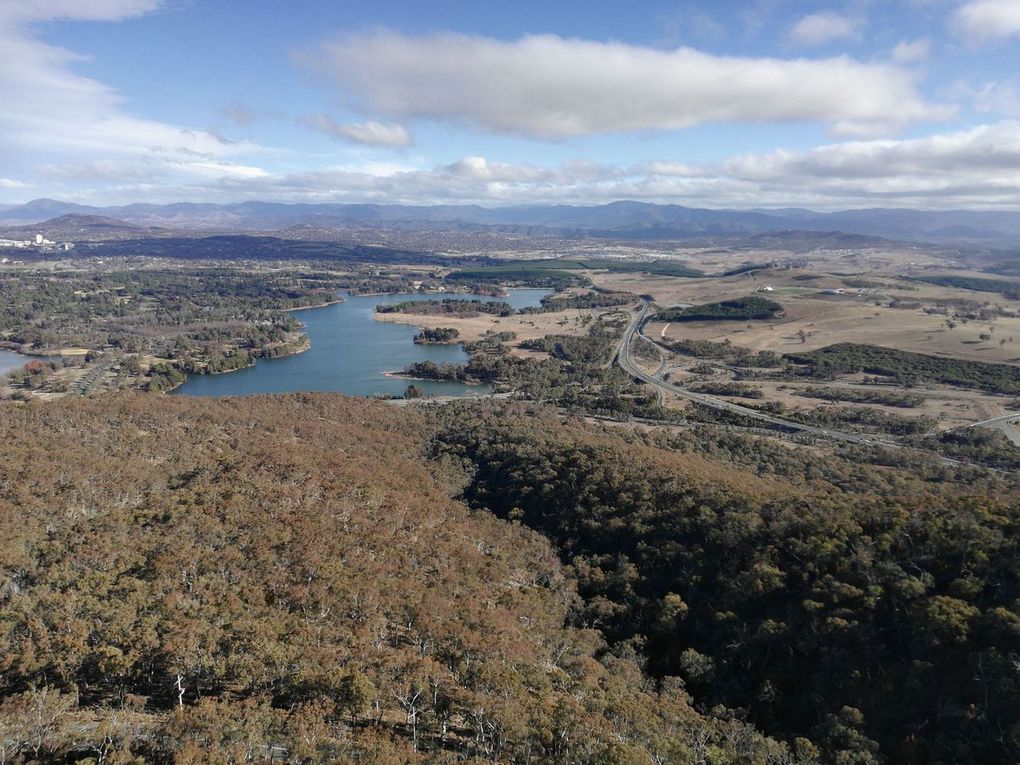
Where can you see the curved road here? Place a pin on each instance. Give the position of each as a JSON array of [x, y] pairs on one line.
[[624, 359], [1006, 424]]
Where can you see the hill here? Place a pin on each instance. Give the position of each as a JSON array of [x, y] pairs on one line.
[[190, 580], [622, 219], [77, 227], [327, 578]]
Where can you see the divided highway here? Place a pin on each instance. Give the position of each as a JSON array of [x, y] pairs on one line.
[[624, 359]]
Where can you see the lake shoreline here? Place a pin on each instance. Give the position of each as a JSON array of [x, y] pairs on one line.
[[305, 346], [398, 374], [327, 304], [353, 352]]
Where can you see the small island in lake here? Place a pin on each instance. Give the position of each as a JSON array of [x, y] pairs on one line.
[[437, 336]]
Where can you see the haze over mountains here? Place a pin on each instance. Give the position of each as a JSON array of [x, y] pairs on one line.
[[624, 219]]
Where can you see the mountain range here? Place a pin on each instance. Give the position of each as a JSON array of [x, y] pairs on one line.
[[624, 219]]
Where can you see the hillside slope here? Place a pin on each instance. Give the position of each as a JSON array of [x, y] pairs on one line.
[[197, 580]]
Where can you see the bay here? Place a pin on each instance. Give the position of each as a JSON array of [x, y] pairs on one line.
[[350, 351]]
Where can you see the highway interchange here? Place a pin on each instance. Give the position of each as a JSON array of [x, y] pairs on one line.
[[623, 358]]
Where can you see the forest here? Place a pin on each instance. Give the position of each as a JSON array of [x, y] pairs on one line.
[[871, 612], [534, 267], [317, 578], [524, 275], [593, 299], [437, 336], [977, 283], [748, 308], [907, 367], [171, 311], [870, 395], [453, 306], [725, 351], [200, 580]]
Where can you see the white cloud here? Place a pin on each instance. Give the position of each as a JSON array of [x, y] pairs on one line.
[[75, 10], [977, 168], [822, 28], [78, 123], [549, 87], [999, 98], [10, 183], [366, 133], [675, 169], [981, 20], [912, 51]]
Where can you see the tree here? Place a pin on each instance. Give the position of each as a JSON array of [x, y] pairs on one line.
[[354, 694]]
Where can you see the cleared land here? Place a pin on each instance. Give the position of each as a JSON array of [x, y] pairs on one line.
[[892, 303], [572, 321]]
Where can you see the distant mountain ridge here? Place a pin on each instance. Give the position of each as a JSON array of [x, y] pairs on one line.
[[623, 219]]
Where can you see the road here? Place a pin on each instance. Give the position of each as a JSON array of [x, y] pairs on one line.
[[624, 359], [1006, 424]]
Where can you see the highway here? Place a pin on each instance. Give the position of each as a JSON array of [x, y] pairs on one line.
[[623, 358], [1006, 424]]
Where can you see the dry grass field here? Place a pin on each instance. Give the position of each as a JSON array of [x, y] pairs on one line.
[[526, 327], [868, 297], [813, 319], [880, 301]]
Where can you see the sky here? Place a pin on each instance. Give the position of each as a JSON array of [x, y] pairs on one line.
[[760, 104]]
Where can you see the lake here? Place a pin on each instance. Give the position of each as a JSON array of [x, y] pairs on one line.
[[10, 360], [350, 351]]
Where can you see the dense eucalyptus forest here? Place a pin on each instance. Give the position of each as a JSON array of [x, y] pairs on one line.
[[317, 578]]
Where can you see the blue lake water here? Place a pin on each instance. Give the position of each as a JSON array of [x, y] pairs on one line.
[[350, 352], [10, 360]]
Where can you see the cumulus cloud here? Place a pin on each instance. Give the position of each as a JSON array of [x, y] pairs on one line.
[[550, 87], [1000, 98], [10, 183], [822, 28], [982, 20], [977, 168], [971, 168], [366, 133], [78, 122]]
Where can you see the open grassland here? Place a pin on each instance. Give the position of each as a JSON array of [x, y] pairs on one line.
[[525, 326], [916, 306], [914, 317]]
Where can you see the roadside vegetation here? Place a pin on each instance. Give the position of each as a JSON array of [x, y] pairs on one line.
[[725, 388], [907, 368], [872, 395], [980, 446], [725, 351]]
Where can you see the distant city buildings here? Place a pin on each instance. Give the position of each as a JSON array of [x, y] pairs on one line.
[[38, 242]]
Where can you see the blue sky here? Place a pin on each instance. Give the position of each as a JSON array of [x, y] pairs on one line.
[[908, 103]]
